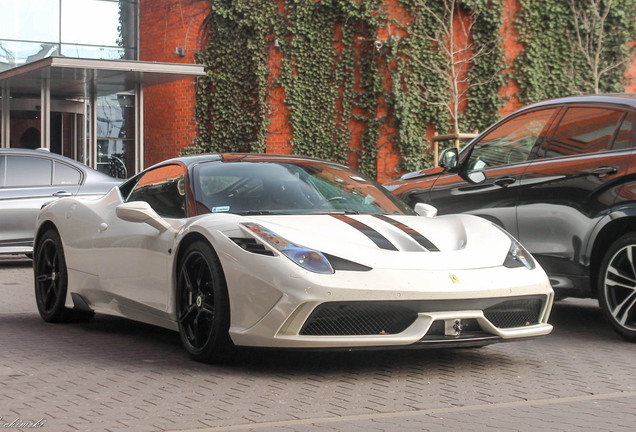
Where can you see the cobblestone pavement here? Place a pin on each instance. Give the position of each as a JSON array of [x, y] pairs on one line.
[[115, 375]]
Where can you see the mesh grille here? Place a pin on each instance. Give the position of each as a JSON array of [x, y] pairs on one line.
[[515, 313], [354, 319]]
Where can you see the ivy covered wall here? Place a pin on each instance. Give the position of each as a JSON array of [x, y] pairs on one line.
[[367, 82]]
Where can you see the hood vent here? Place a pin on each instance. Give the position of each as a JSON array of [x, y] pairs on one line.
[[251, 245]]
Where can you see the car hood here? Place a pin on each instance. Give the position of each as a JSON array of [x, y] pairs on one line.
[[395, 241], [424, 174]]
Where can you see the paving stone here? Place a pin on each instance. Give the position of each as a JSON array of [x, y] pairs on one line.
[[111, 374]]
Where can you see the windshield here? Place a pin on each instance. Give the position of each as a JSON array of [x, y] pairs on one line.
[[288, 187]]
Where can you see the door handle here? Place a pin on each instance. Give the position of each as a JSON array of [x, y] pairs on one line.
[[505, 181], [61, 194], [603, 171]]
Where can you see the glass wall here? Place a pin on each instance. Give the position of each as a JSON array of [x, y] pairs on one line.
[[116, 134], [31, 30]]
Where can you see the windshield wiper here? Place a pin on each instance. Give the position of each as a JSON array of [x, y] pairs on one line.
[[254, 212]]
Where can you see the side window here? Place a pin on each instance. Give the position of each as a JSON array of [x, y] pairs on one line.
[[585, 130], [625, 133], [23, 171], [65, 175], [164, 189], [510, 142], [1, 171]]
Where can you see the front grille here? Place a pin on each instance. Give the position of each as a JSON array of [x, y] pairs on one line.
[[359, 318], [515, 313], [392, 317]]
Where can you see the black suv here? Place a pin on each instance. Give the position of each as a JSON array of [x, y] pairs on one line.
[[560, 176]]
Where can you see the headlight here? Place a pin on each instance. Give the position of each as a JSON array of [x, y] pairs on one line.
[[517, 256], [308, 259]]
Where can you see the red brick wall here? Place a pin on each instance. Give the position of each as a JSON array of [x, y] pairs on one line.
[[279, 132], [169, 123], [512, 48], [169, 109]]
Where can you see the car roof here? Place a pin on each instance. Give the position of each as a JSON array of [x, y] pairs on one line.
[[626, 99], [42, 152], [193, 160]]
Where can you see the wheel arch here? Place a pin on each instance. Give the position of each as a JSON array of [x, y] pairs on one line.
[[620, 223], [44, 227], [182, 247], [186, 241]]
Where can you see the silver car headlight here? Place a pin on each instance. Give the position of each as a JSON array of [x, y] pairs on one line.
[[306, 258]]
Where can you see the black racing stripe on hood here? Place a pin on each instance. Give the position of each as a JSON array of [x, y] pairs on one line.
[[372, 234], [423, 241]]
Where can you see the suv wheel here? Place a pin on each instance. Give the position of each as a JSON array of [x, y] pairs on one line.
[[617, 286]]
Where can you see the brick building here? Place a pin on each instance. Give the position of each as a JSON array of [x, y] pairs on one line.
[[178, 22], [113, 80]]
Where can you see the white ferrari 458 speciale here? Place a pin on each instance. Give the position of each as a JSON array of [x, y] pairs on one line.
[[284, 252]]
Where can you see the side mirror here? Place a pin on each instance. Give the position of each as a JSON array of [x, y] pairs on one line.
[[141, 212], [426, 210], [449, 158], [476, 177]]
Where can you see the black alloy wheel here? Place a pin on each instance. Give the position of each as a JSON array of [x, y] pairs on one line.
[[617, 286], [203, 308], [51, 278]]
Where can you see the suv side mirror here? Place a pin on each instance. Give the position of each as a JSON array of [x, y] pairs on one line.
[[449, 158]]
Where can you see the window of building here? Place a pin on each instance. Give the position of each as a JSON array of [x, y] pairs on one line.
[[31, 30]]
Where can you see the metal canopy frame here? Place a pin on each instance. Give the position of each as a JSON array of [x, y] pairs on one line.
[[86, 79]]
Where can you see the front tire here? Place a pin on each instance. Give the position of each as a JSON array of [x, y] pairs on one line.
[[203, 307], [51, 278], [617, 286]]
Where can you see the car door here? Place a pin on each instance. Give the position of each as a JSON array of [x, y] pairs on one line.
[[488, 176], [571, 185], [134, 257], [27, 183]]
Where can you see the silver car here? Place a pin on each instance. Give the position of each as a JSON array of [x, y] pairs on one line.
[[31, 178]]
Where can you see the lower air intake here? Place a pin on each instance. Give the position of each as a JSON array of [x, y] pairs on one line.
[[360, 318], [515, 313]]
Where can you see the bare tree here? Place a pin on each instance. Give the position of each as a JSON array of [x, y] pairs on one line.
[[589, 41], [453, 41]]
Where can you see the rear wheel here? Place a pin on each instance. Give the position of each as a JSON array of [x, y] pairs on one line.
[[617, 286], [51, 278], [203, 307]]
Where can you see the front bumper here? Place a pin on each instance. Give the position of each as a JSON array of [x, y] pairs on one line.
[[388, 308]]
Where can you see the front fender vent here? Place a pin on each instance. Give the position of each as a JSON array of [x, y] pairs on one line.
[[251, 245]]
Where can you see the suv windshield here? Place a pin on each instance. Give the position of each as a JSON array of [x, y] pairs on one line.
[[288, 187]]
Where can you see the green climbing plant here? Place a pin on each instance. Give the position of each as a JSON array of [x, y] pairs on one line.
[[574, 47], [334, 71]]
